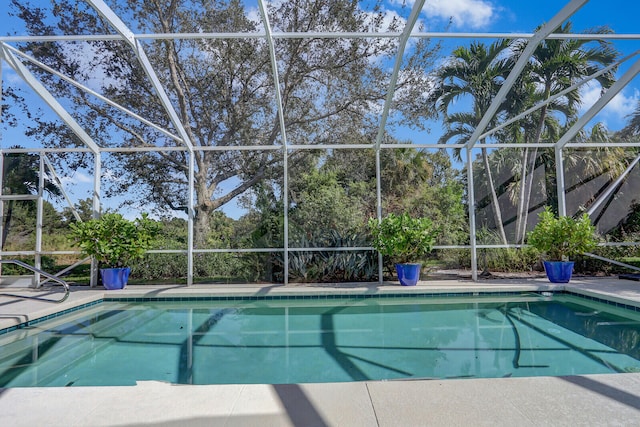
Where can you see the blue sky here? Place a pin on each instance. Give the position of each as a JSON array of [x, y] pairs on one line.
[[515, 16]]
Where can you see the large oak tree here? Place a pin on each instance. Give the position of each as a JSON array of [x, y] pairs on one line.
[[221, 88]]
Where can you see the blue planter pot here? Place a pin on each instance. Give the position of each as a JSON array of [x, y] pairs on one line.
[[115, 278], [408, 274], [558, 271]]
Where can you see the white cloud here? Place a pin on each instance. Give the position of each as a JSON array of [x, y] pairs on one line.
[[472, 13], [9, 76], [76, 178], [253, 14], [615, 112]]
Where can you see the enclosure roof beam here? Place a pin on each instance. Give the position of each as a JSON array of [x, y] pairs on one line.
[[612, 187], [521, 63], [47, 97], [58, 183], [315, 34], [402, 44], [274, 68], [94, 93], [585, 118], [101, 7], [558, 95]]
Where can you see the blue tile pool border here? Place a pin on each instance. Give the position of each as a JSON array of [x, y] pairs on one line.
[[342, 296], [600, 300], [50, 316], [312, 297]]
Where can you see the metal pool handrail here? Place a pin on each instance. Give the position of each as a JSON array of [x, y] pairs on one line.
[[37, 270]]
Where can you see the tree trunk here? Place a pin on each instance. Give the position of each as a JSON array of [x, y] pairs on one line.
[[7, 223], [531, 170], [497, 213], [201, 227], [521, 198], [529, 185], [204, 207]]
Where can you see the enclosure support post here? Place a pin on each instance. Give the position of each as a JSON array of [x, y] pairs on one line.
[[472, 216], [39, 207], [562, 206], [1, 177], [190, 215], [379, 207], [97, 172], [285, 200], [1, 184]]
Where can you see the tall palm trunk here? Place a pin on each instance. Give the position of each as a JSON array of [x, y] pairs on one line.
[[522, 190], [527, 199], [528, 173], [497, 213], [526, 202]]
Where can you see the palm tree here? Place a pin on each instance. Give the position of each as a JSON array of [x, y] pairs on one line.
[[474, 73], [556, 65]]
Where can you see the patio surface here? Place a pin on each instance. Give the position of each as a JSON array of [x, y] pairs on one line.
[[553, 401]]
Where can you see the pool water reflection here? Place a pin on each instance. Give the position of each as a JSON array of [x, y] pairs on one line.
[[295, 341]]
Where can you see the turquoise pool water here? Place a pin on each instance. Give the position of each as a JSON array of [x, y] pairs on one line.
[[293, 341]]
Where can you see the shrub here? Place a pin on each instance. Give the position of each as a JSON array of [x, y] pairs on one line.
[[402, 238], [113, 240], [563, 237]]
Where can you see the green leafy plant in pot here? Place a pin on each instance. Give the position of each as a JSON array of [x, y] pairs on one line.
[[405, 240], [560, 238], [114, 241]]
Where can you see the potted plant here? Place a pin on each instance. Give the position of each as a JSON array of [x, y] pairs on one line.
[[561, 238], [114, 241], [405, 240]]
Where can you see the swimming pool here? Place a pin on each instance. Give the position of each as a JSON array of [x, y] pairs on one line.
[[329, 340]]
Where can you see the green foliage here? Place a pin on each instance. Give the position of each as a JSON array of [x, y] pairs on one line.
[[261, 266], [629, 228], [441, 202], [403, 238], [114, 240], [84, 209], [509, 259], [160, 266], [563, 237], [47, 263], [315, 265], [330, 266], [22, 235], [21, 175], [322, 203], [173, 235], [217, 265]]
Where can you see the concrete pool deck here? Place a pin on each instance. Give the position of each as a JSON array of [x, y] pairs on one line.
[[556, 401]]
